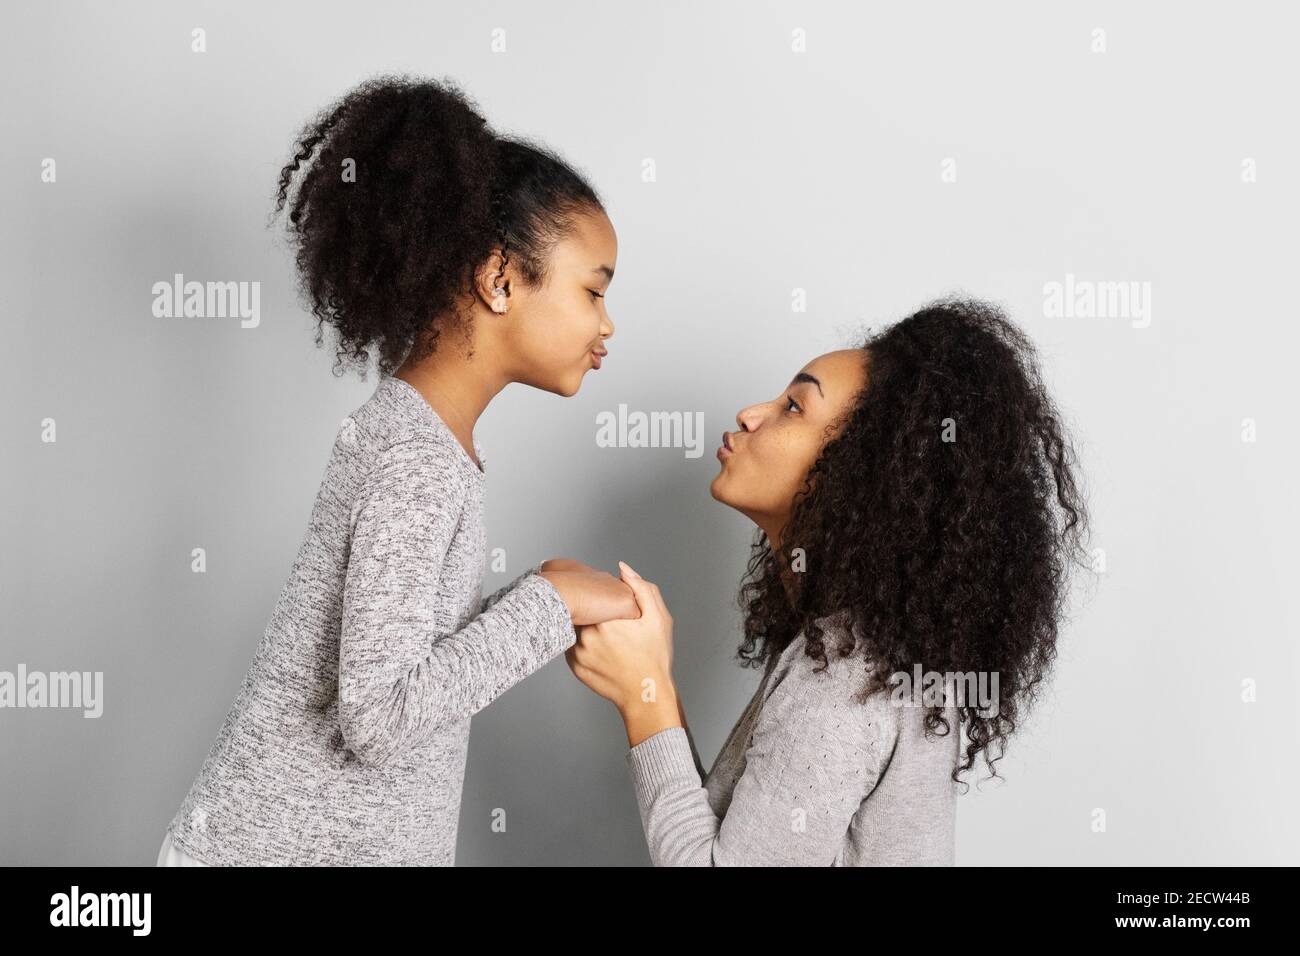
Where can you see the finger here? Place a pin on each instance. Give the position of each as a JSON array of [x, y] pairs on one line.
[[659, 601], [577, 656], [641, 588], [654, 591], [588, 643], [583, 674]]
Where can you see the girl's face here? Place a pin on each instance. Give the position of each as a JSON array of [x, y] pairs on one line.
[[765, 463], [558, 330]]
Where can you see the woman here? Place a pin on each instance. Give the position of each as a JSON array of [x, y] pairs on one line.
[[474, 262], [917, 510]]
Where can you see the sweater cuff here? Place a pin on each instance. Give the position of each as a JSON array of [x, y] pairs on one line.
[[547, 614], [662, 762]]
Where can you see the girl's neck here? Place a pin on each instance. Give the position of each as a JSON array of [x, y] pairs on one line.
[[458, 388]]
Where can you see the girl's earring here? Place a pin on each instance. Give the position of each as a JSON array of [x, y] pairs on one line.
[[499, 300]]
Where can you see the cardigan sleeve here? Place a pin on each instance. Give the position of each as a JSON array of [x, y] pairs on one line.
[[401, 679], [813, 757]]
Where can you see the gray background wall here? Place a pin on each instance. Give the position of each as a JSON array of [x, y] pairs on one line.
[[776, 171]]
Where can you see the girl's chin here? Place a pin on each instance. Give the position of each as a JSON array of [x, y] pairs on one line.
[[568, 387], [566, 382]]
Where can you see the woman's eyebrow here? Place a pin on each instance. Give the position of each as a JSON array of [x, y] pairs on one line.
[[608, 272], [811, 379]]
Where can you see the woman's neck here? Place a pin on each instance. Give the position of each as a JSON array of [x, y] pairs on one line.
[[784, 566]]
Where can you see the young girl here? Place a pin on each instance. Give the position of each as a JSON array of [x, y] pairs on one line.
[[917, 511], [474, 262]]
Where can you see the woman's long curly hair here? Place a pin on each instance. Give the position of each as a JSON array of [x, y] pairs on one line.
[[405, 192], [943, 519]]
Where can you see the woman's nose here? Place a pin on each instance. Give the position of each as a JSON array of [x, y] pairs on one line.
[[749, 418]]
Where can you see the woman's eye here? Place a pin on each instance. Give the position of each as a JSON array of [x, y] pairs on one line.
[[595, 294], [791, 405]]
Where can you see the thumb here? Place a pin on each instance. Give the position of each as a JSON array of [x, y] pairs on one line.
[[640, 587]]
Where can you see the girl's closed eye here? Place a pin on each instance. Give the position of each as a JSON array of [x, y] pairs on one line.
[[595, 294]]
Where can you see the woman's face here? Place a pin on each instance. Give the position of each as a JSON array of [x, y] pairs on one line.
[[765, 462], [558, 329]]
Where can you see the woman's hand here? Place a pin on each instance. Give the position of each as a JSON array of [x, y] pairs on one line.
[[629, 662], [592, 596]]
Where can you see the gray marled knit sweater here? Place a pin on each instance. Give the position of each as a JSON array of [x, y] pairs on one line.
[[809, 776], [346, 742]]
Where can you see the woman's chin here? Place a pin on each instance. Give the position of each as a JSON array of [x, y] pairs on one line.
[[723, 495], [718, 489]]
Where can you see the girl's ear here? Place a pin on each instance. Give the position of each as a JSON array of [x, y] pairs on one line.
[[492, 283]]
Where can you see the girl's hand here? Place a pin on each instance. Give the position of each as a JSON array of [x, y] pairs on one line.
[[629, 662], [593, 596], [565, 564]]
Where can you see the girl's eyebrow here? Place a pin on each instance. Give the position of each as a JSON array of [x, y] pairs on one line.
[[609, 273], [812, 379]]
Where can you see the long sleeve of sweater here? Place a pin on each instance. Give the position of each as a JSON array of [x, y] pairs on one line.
[[812, 757], [400, 681], [505, 589]]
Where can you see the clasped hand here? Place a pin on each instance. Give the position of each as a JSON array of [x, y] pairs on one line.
[[624, 657]]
